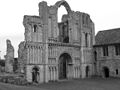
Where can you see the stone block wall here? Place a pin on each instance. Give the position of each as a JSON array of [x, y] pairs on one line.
[[111, 61]]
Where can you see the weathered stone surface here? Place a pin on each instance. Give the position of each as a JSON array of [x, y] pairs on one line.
[[21, 57], [53, 50], [112, 61], [107, 53], [9, 57]]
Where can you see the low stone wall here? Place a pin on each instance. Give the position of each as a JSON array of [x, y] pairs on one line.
[[13, 80]]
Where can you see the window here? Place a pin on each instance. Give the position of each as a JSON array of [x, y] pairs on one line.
[[87, 20], [95, 55], [105, 51], [117, 49], [65, 32], [116, 71], [35, 28], [83, 19], [86, 41]]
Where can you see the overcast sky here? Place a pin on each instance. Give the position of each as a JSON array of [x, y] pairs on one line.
[[104, 13]]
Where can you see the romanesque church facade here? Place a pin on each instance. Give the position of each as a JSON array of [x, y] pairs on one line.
[[53, 51]]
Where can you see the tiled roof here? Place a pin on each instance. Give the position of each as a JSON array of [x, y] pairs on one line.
[[111, 36]]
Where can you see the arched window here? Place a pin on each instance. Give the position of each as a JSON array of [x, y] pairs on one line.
[[83, 19], [87, 20], [35, 28], [86, 40]]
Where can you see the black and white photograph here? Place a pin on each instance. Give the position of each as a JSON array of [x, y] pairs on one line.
[[60, 45]]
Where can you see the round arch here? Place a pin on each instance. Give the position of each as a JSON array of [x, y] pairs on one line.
[[63, 26], [35, 66], [67, 55], [65, 4], [64, 66], [67, 52], [35, 74]]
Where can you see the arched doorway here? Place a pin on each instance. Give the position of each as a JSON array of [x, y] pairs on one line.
[[87, 71], [35, 74], [65, 66], [106, 72]]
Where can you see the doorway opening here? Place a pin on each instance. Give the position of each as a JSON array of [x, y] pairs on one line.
[[35, 74], [65, 65], [106, 72], [87, 71]]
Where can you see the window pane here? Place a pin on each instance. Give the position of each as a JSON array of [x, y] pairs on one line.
[[105, 51]]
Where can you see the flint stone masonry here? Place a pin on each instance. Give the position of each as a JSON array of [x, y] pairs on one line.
[[107, 60], [9, 57], [53, 51]]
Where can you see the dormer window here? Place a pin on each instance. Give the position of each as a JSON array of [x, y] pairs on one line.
[[35, 28]]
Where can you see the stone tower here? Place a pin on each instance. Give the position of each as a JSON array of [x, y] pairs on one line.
[[56, 51]]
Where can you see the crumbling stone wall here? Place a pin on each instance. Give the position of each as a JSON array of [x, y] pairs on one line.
[[21, 57], [9, 57], [45, 39]]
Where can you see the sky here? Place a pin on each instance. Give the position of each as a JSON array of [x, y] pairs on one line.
[[104, 13]]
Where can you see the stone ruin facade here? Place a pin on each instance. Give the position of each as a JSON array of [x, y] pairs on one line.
[[21, 57], [9, 57], [53, 51]]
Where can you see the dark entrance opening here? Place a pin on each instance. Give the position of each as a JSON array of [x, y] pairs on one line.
[[35, 74], [106, 72], [95, 62], [116, 71], [65, 63], [87, 71]]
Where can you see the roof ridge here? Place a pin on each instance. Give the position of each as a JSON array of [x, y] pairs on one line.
[[108, 36], [109, 29]]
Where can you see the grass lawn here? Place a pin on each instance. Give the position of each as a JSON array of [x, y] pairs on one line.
[[80, 84], [84, 84]]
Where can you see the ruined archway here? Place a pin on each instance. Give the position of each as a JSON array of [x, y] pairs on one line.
[[65, 66], [63, 26], [65, 4], [35, 74]]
